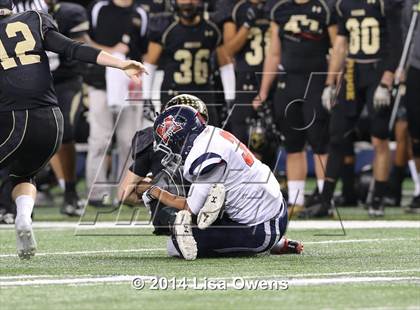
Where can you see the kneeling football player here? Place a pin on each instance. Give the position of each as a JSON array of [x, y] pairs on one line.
[[147, 167], [223, 174]]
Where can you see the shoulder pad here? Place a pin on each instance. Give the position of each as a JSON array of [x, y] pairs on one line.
[[204, 164]]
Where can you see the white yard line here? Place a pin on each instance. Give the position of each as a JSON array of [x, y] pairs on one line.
[[114, 251], [311, 224], [276, 276], [361, 240], [91, 252], [126, 279]]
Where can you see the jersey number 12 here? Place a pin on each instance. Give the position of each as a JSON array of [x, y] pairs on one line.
[[27, 45]]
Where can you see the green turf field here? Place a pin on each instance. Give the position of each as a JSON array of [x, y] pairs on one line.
[[365, 269]]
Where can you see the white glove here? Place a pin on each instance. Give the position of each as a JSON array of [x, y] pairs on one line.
[[147, 198], [382, 97], [328, 96]]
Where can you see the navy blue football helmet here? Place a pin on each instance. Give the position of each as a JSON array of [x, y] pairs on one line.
[[175, 131], [6, 4]]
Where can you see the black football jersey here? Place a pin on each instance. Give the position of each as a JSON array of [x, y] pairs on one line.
[[303, 32], [251, 57], [72, 22], [111, 24], [25, 77], [186, 53], [364, 23]]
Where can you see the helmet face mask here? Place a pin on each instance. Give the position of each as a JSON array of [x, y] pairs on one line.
[[6, 7], [188, 10]]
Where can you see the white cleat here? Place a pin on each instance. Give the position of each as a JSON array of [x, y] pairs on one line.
[[184, 236], [25, 241], [211, 209]]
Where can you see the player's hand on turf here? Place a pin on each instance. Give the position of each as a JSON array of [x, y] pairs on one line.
[[133, 69], [328, 96], [382, 97]]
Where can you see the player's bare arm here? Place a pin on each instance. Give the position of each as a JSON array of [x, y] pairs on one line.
[[271, 64], [234, 38], [56, 42]]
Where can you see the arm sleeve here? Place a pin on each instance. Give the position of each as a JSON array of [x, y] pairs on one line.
[[333, 14], [47, 23], [57, 43], [340, 20], [394, 44]]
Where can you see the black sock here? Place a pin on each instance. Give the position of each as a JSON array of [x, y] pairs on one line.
[[380, 189], [348, 180], [70, 187], [397, 176], [328, 191]]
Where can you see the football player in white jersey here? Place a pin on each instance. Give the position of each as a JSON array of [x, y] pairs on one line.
[[224, 175]]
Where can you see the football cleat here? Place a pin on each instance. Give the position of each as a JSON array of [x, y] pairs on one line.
[[25, 240], [376, 208], [211, 209], [414, 206], [292, 247], [294, 211], [184, 236], [73, 206], [289, 247], [320, 210]]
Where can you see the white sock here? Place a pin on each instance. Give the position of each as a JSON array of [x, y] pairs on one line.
[[62, 184], [415, 176], [417, 186], [24, 206], [320, 184], [296, 191]]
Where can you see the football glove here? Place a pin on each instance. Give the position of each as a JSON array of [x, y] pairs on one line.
[[382, 97], [251, 16], [149, 112], [328, 96]]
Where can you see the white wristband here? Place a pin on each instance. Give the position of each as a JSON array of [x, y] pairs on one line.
[[227, 74], [147, 80]]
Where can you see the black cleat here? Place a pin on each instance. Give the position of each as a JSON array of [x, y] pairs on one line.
[[320, 210], [343, 201], [72, 205], [313, 199], [376, 208], [414, 207]]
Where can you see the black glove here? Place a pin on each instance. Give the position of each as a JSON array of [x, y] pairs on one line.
[[149, 112], [251, 17]]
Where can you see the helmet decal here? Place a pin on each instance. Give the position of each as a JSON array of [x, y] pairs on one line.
[[168, 128]]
